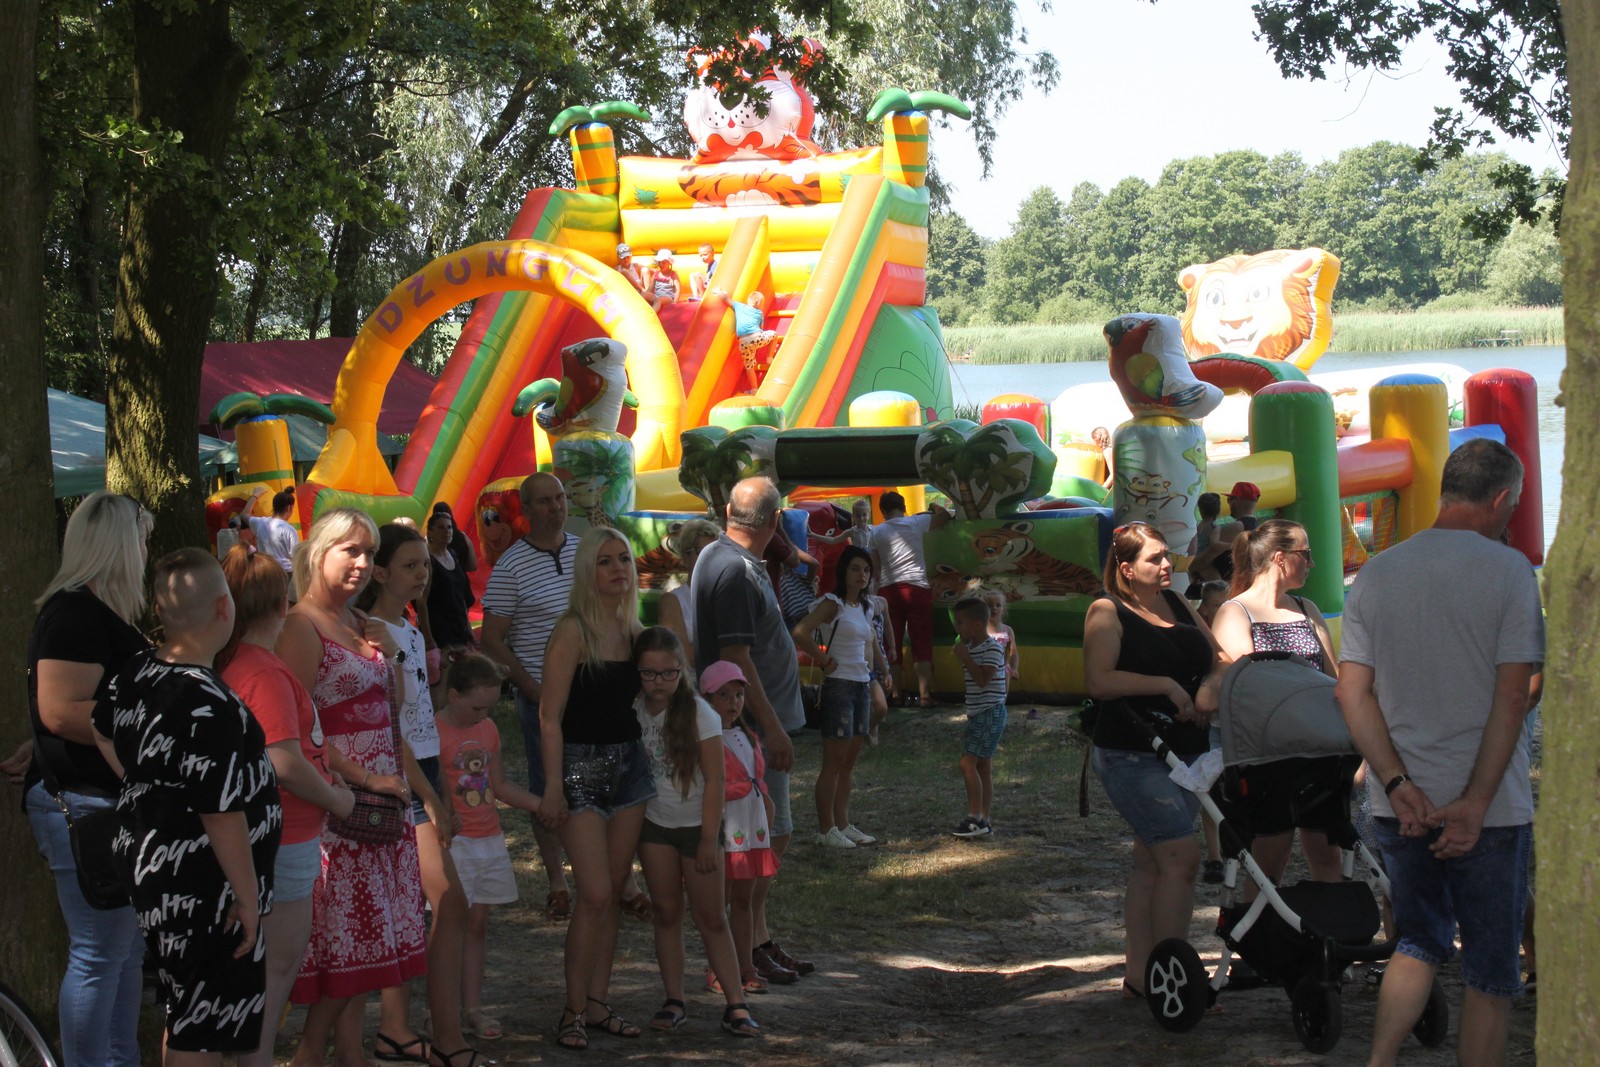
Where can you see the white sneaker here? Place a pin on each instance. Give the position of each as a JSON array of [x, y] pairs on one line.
[[835, 838], [858, 837]]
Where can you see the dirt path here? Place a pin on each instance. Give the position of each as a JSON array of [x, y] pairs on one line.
[[1038, 989]]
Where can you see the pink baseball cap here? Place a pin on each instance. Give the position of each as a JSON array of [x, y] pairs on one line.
[[720, 674]]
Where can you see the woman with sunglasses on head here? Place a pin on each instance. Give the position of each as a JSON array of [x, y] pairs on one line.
[[1266, 615], [85, 632], [1148, 656]]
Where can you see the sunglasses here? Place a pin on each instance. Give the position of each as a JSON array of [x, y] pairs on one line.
[[1304, 553]]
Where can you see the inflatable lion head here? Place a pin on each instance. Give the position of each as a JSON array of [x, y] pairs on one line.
[[1273, 305]]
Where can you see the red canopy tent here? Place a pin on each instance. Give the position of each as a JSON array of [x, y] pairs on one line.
[[308, 368]]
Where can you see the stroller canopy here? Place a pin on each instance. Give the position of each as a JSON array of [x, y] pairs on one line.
[[1276, 705]]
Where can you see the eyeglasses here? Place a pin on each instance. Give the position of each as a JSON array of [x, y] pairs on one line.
[[669, 675], [1305, 553]]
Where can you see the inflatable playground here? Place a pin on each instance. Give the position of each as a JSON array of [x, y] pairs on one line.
[[649, 416]]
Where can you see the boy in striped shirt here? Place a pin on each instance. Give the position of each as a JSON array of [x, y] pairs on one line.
[[985, 665]]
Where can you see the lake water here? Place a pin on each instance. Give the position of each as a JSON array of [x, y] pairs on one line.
[[973, 383]]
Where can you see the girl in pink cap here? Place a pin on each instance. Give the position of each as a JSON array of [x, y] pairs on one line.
[[746, 842]]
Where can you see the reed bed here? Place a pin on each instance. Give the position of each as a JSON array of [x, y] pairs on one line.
[[1401, 331]]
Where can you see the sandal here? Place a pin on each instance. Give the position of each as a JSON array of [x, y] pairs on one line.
[[751, 982], [474, 1058], [475, 1022], [571, 1034], [396, 1052], [558, 905], [614, 1024], [673, 1014], [640, 907], [745, 1027]]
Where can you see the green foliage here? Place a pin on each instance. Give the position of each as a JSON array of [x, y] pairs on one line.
[[1526, 268], [1025, 268], [955, 263], [976, 51], [1508, 60]]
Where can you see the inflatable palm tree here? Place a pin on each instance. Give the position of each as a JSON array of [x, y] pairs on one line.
[[594, 151], [905, 130]]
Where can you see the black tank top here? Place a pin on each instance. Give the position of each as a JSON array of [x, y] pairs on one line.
[[600, 706], [1179, 652]]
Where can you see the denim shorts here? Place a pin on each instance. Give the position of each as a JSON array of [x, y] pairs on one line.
[[1484, 894], [1139, 787], [606, 778], [295, 870], [846, 709], [777, 783], [430, 771], [983, 732]]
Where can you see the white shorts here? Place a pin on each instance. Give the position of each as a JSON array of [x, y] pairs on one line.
[[484, 865]]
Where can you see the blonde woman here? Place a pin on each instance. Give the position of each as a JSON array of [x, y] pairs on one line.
[[597, 779], [86, 630], [367, 924]]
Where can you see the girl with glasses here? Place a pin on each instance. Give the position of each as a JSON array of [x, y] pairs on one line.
[[680, 846]]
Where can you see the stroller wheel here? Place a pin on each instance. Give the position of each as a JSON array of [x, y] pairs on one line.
[[1318, 1014], [1434, 1025], [1176, 985]]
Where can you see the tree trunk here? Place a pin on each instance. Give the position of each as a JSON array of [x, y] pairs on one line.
[[31, 934], [1568, 847], [188, 71], [257, 296]]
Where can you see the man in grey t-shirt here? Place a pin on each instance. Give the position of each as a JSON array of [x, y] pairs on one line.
[[1442, 634], [736, 618]]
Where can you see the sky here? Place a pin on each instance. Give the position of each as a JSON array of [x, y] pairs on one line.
[[1143, 84]]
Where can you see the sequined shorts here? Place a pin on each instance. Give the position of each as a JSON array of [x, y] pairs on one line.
[[605, 778]]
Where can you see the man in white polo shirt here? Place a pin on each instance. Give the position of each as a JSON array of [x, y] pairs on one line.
[[526, 593]]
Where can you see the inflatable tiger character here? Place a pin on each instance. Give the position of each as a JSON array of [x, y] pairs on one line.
[[1009, 560], [1272, 305], [739, 184]]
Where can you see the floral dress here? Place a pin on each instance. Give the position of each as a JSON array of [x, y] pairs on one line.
[[367, 928]]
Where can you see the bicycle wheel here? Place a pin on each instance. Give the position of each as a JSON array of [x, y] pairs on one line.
[[22, 1042]]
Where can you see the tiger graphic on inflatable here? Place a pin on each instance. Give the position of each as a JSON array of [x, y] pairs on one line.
[[738, 129], [1272, 305]]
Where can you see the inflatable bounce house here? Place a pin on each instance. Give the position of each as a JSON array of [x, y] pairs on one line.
[[812, 357]]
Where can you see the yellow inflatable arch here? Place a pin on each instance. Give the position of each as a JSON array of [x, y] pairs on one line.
[[351, 461]]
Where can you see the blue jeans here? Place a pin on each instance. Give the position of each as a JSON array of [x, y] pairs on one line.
[[100, 991], [1483, 894]]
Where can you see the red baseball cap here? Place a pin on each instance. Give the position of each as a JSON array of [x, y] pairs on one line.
[[1245, 491]]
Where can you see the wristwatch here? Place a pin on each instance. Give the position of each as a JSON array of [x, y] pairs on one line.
[[1395, 783]]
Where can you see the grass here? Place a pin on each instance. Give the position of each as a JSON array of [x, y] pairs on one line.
[[922, 882], [1401, 331]]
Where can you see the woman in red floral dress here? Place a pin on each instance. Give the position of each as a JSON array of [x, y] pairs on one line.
[[367, 920]]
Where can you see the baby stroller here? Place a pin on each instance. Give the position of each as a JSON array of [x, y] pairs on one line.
[[1287, 761]]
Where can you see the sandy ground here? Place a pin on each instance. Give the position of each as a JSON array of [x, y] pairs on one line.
[[1039, 990]]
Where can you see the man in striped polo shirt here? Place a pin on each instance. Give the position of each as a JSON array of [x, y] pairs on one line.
[[526, 593]]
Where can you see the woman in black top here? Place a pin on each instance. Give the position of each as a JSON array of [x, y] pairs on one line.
[[85, 632], [449, 592], [597, 778], [1148, 656]]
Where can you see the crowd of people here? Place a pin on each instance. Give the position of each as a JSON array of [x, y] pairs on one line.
[[1437, 712], [282, 790]]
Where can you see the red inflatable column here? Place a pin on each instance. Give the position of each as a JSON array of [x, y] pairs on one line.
[[1509, 398], [1021, 406]]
